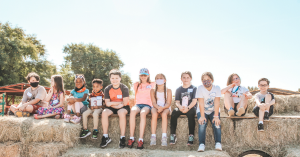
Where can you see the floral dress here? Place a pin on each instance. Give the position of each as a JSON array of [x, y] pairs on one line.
[[54, 101]]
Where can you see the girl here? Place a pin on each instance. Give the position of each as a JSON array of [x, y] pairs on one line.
[[185, 101], [78, 100], [161, 98], [209, 102], [55, 98], [143, 105], [235, 96]]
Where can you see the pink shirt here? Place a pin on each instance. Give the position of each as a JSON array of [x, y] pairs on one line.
[[143, 96]]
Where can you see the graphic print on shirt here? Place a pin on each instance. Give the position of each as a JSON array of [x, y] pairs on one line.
[[209, 103], [237, 92]]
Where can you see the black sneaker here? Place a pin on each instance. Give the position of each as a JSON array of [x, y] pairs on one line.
[[95, 134], [84, 133], [140, 145], [260, 127], [122, 142], [191, 140], [10, 113], [173, 139], [266, 117], [105, 141]]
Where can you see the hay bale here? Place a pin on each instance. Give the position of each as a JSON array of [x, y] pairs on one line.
[[53, 130], [293, 151], [10, 149], [42, 149], [126, 152]]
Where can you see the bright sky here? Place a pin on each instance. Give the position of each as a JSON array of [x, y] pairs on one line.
[[253, 38]]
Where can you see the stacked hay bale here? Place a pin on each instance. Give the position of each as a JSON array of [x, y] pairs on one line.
[[47, 137]]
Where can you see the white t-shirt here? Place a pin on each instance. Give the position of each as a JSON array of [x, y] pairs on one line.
[[209, 98], [237, 92]]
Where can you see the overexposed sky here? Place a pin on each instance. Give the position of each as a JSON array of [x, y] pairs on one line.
[[252, 38]]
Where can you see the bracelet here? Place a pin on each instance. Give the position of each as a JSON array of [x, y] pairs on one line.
[[216, 116]]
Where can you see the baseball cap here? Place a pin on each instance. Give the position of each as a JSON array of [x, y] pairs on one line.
[[144, 71]]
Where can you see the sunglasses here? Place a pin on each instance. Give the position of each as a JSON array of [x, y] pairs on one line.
[[263, 85], [235, 79]]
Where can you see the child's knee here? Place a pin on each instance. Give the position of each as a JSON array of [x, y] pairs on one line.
[[262, 108]]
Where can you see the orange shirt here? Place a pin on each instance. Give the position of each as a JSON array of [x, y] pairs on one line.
[[116, 95]]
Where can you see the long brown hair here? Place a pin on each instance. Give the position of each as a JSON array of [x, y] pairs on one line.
[[165, 88], [59, 83], [229, 80]]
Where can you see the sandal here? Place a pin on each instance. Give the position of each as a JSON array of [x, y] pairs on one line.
[[35, 116], [18, 114]]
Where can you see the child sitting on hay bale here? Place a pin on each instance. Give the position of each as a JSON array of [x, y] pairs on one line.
[[185, 100], [96, 105], [161, 98], [55, 98], [33, 97], [78, 102], [235, 96], [209, 109], [117, 102], [264, 103], [143, 106]]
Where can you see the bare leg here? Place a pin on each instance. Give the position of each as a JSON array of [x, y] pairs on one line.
[[268, 100], [261, 113], [47, 115], [143, 115], [243, 102], [228, 101], [29, 108], [164, 117], [105, 114], [78, 106], [134, 111], [154, 120], [122, 120]]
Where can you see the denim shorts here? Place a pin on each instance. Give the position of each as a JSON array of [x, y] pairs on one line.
[[141, 106]]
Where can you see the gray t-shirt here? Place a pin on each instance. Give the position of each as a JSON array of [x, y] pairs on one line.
[[190, 92], [38, 93], [261, 97]]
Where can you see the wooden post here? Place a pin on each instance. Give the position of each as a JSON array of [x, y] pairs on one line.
[[6, 98]]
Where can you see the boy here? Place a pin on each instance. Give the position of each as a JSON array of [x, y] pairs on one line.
[[96, 106], [117, 102], [33, 97], [264, 103]]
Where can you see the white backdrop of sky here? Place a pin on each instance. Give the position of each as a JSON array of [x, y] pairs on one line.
[[252, 38]]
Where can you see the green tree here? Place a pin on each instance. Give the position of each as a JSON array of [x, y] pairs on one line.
[[298, 89], [20, 54], [68, 76], [93, 62]]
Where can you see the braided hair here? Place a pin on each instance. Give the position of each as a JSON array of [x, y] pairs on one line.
[[165, 88]]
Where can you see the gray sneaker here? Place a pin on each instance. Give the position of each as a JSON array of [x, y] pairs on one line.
[[153, 141], [173, 139], [164, 141]]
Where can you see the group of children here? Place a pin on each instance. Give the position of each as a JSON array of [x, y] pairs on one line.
[[150, 97]]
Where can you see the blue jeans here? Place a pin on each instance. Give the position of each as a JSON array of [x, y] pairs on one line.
[[141, 106], [202, 128]]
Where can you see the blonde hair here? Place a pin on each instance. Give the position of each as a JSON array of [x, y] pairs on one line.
[[209, 74]]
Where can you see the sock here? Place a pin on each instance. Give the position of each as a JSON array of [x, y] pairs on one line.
[[132, 138], [267, 111], [95, 129], [105, 135], [122, 137], [164, 134], [260, 122], [140, 139], [231, 108], [153, 135]]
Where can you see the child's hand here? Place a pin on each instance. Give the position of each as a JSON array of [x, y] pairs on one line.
[[160, 109], [71, 100], [217, 121], [119, 106], [232, 85], [247, 96], [202, 120], [185, 110]]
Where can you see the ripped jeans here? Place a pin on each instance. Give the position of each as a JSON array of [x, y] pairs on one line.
[[202, 129]]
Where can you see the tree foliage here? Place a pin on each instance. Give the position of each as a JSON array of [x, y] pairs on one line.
[[20, 54], [91, 61]]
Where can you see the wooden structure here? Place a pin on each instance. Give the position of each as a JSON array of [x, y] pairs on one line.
[[277, 91]]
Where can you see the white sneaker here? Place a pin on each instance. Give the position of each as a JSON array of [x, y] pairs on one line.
[[218, 146], [201, 148]]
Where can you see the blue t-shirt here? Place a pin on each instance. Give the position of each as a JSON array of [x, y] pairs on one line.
[[80, 95]]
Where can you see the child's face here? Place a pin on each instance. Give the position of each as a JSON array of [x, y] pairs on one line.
[[79, 83], [144, 78], [52, 82], [186, 79], [236, 80], [263, 86], [97, 87], [160, 77], [115, 80], [32, 79]]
